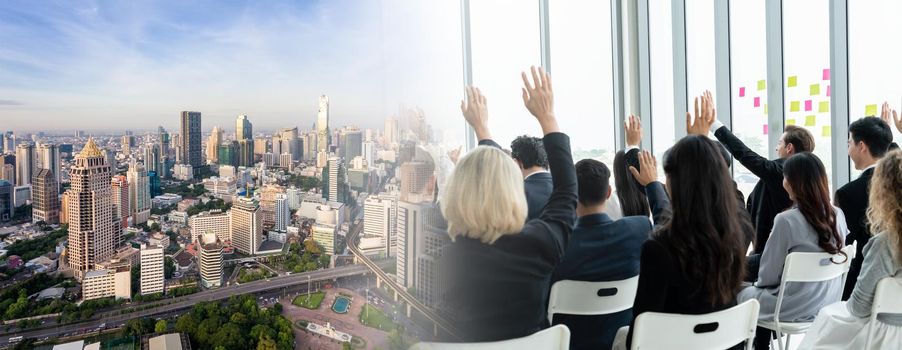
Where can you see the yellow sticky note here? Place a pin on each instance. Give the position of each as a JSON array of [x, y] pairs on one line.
[[815, 89], [792, 81], [870, 111], [810, 120], [765, 108], [790, 122], [823, 107], [826, 131], [794, 106], [762, 84]]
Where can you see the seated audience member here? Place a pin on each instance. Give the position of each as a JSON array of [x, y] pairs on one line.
[[499, 264], [630, 193], [812, 225], [694, 263], [869, 140], [600, 249], [529, 153], [844, 325]]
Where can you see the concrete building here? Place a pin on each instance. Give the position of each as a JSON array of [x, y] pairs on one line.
[[282, 213], [121, 208], [246, 225], [335, 186], [139, 199], [379, 221], [111, 279], [212, 149], [93, 234], [184, 172], [295, 196], [48, 157], [152, 263], [268, 204], [210, 260], [323, 137], [417, 181], [7, 204], [190, 139], [45, 198], [26, 164], [325, 235], [215, 222]]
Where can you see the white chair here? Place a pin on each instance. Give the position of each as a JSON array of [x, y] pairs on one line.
[[886, 301], [554, 338], [805, 267], [591, 298], [716, 330]]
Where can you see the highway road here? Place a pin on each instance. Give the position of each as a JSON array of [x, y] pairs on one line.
[[189, 301]]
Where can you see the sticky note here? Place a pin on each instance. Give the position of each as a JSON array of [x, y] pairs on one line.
[[792, 81], [790, 122], [757, 102], [765, 108], [742, 92], [807, 105], [815, 89], [870, 111], [765, 129], [828, 90], [823, 107], [810, 120], [826, 131], [827, 74], [762, 84], [794, 106]]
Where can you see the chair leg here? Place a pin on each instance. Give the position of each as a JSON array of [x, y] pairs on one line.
[[787, 341], [780, 341]]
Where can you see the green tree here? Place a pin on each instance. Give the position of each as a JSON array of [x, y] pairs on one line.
[[168, 267], [186, 324], [266, 343], [161, 326], [312, 247]]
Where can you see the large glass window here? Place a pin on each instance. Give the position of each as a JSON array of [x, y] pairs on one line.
[[581, 65], [700, 70], [661, 61], [806, 57], [748, 75], [504, 37]]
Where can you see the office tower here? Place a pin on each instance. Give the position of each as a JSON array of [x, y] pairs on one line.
[[228, 153], [120, 199], [276, 144], [25, 164], [138, 193], [260, 146], [64, 208], [269, 159], [45, 197], [126, 144], [183, 172], [422, 236], [190, 139], [246, 152], [9, 142], [268, 204], [290, 143], [215, 222], [351, 143], [110, 279], [243, 128], [282, 212], [152, 159], [7, 205], [212, 145], [152, 265], [247, 225], [322, 125], [155, 189], [309, 144], [294, 197], [8, 167], [285, 161], [79, 133], [334, 180], [324, 235], [391, 131], [369, 152], [210, 261], [49, 158], [93, 234], [110, 156], [165, 154], [379, 220], [416, 182]]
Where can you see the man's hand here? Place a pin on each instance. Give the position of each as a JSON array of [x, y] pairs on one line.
[[633, 129], [705, 115], [649, 167], [454, 155], [539, 99], [896, 120], [476, 113]]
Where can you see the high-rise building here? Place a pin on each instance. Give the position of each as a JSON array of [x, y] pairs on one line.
[[282, 213], [391, 131], [64, 208], [127, 142], [260, 146], [294, 197], [93, 234], [110, 156], [210, 261], [213, 145], [110, 279], [45, 197], [247, 225], [285, 161], [215, 222], [416, 181], [351, 143], [139, 200], [7, 204], [9, 142], [49, 158], [228, 153], [268, 204], [152, 268], [369, 152], [290, 143], [155, 189], [422, 236], [153, 161], [246, 152], [322, 125], [190, 139], [335, 180], [165, 154], [243, 128], [379, 216], [8, 167], [120, 197], [324, 235], [26, 164]]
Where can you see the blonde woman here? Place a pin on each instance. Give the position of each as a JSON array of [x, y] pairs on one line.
[[499, 264], [844, 325]]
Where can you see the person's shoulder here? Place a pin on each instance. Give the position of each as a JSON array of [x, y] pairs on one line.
[[637, 222], [792, 216]]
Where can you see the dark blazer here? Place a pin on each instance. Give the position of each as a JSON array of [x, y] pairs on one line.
[[768, 198], [601, 249], [853, 200], [538, 189], [499, 291]]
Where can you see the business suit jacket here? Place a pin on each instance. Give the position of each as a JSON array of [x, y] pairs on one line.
[[602, 249], [538, 188], [768, 198], [499, 291], [853, 200]]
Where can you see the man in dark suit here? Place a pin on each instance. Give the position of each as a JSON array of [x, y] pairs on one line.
[[601, 249], [869, 139], [529, 153]]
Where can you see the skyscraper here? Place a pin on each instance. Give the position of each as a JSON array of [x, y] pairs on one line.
[[138, 193], [121, 209], [282, 212], [210, 261], [260, 146], [391, 131], [92, 232], [152, 158], [228, 153], [379, 221], [7, 206], [49, 158], [25, 164], [351, 143], [213, 145], [9, 142], [247, 225], [268, 204], [323, 137], [369, 152], [8, 168], [190, 139], [165, 154], [152, 266], [335, 180], [246, 153], [243, 128], [45, 197]]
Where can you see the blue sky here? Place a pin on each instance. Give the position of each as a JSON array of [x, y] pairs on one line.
[[117, 65]]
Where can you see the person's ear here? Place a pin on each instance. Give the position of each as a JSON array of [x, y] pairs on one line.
[[790, 148], [610, 191]]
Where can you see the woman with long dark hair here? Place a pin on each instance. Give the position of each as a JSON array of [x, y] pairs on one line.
[[633, 201], [813, 224]]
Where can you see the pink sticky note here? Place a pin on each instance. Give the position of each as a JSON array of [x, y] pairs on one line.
[[742, 92], [808, 105], [765, 129], [757, 102], [828, 90], [827, 74]]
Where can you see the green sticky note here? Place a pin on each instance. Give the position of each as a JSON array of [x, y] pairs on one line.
[[823, 107], [790, 122], [810, 120], [826, 131], [792, 81], [762, 84], [765, 108], [815, 89], [794, 106], [870, 111]]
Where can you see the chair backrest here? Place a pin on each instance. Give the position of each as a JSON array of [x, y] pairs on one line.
[[816, 267], [716, 330], [591, 298], [554, 338], [887, 298]]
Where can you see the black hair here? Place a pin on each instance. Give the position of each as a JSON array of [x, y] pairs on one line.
[[874, 132], [530, 151], [593, 181], [630, 193]]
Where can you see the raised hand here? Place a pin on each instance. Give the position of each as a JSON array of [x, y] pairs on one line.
[[649, 166], [705, 115], [633, 129], [886, 111], [476, 112], [454, 155], [539, 99]]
